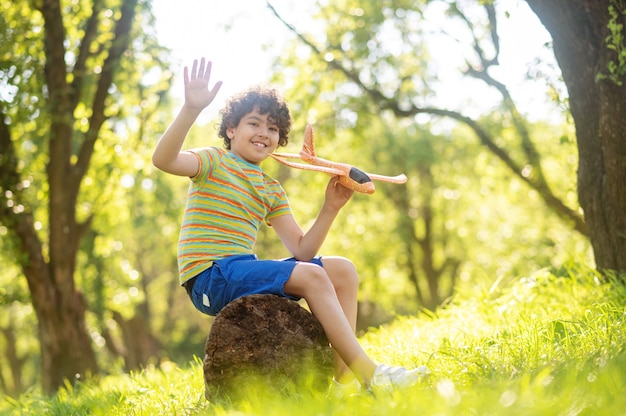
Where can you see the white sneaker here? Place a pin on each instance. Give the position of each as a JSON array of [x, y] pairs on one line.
[[389, 377], [339, 390]]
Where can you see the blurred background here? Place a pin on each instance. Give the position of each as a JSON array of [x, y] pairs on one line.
[[463, 97]]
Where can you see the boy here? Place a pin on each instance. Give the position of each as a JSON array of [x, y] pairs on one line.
[[229, 198]]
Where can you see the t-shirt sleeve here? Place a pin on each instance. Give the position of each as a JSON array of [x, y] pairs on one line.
[[207, 158], [281, 204]]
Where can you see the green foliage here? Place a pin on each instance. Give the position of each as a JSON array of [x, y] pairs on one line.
[[125, 205], [615, 42], [484, 219], [483, 216], [550, 343]]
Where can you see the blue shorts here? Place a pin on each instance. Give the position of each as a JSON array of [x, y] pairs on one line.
[[233, 277]]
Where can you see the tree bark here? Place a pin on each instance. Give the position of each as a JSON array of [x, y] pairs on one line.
[[13, 359], [598, 106], [66, 351], [140, 345], [264, 341]]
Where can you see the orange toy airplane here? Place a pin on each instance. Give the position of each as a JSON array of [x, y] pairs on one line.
[[349, 176]]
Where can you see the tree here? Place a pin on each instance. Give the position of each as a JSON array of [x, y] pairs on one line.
[[589, 47], [66, 95], [354, 49], [383, 49], [588, 42]]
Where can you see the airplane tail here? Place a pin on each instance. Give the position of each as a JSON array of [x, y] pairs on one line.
[[308, 147]]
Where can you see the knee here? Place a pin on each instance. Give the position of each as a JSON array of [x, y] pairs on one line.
[[348, 270], [341, 271], [349, 275], [314, 279]]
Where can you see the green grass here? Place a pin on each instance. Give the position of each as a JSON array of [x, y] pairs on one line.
[[544, 345]]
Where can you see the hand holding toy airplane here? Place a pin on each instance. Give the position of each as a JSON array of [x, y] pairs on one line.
[[349, 176]]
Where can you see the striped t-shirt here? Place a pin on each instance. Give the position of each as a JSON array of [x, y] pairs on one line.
[[228, 200]]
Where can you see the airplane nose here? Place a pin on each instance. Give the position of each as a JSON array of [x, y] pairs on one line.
[[359, 181], [359, 176]]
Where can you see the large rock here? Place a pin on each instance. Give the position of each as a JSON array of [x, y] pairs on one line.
[[265, 339]]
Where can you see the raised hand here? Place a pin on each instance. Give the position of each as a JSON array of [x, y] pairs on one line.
[[197, 92], [337, 195]]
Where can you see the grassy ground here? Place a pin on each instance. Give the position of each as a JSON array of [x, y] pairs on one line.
[[544, 345]]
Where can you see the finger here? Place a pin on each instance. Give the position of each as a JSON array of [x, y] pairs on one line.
[[194, 69], [215, 89], [207, 72], [201, 69], [186, 75]]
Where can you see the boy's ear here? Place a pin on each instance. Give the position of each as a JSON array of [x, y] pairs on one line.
[[230, 132]]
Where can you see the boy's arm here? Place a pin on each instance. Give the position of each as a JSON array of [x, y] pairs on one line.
[[305, 246], [167, 155]]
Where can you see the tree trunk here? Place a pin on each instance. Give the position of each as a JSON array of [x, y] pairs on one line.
[[140, 345], [66, 348], [14, 362], [598, 106], [79, 69]]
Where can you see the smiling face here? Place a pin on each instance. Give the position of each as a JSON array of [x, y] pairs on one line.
[[261, 99], [254, 138]]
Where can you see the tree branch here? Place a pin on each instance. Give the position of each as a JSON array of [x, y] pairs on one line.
[[91, 30], [58, 89], [120, 45], [386, 103], [15, 213]]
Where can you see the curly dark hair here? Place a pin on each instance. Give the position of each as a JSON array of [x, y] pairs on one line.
[[267, 101]]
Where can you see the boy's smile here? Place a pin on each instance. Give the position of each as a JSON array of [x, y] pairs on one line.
[[255, 138]]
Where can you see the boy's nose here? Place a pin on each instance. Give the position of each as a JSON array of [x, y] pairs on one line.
[[264, 131]]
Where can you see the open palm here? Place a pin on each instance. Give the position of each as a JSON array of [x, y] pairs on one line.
[[197, 92]]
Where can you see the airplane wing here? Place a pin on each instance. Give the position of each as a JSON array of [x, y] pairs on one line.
[[286, 155], [393, 179], [280, 157]]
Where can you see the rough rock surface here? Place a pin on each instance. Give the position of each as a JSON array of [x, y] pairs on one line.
[[265, 339]]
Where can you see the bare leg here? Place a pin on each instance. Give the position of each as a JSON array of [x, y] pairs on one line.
[[345, 280], [313, 283]]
